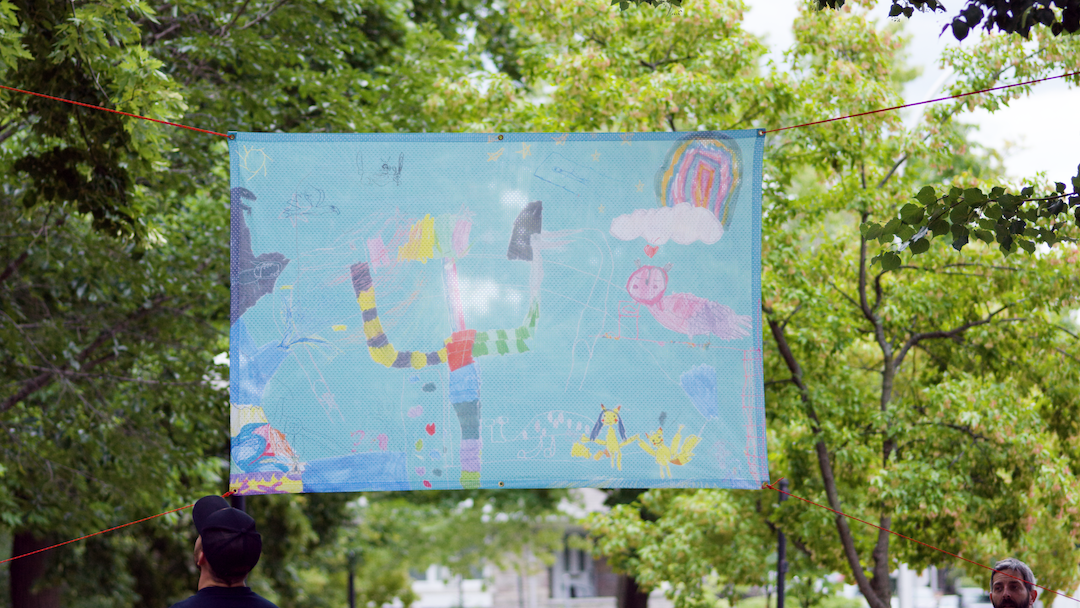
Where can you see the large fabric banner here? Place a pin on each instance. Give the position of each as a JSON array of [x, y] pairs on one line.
[[520, 310]]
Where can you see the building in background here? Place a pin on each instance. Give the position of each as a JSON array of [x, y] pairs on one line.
[[575, 580]]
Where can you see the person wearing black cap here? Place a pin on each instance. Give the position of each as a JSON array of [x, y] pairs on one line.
[[227, 548]]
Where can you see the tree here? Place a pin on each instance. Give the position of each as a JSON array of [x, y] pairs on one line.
[[1011, 17], [919, 397], [114, 259]]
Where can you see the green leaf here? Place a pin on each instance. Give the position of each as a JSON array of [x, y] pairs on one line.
[[890, 261], [973, 196], [871, 230], [959, 213], [960, 236], [1026, 245], [906, 232], [927, 195], [940, 227], [891, 227], [920, 246], [985, 236], [1059, 186], [1027, 191], [912, 214]]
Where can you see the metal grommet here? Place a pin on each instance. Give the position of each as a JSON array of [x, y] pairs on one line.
[[761, 132], [501, 484], [500, 139]]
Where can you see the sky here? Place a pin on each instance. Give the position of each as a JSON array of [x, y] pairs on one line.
[[1040, 132]]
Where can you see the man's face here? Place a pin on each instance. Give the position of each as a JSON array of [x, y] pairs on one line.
[[1008, 592]]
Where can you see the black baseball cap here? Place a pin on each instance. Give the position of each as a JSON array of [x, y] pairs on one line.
[[230, 541]]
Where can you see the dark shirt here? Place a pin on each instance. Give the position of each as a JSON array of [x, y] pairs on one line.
[[225, 597]]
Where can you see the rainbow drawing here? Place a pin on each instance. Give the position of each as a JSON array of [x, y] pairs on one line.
[[701, 172]]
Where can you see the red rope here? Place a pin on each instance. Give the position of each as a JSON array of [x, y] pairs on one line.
[[67, 542], [807, 124], [919, 103], [773, 487], [93, 107]]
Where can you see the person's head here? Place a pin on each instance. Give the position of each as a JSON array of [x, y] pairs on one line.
[[228, 546], [1008, 592]]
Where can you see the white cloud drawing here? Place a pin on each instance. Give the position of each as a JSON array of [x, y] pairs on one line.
[[682, 223]]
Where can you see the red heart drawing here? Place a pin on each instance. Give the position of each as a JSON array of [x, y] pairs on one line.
[[430, 429], [650, 250], [427, 484]]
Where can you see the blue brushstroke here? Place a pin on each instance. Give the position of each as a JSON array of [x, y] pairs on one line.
[[253, 367], [464, 384], [373, 471], [699, 383]]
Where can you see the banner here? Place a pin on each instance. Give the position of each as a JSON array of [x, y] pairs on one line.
[[520, 310]]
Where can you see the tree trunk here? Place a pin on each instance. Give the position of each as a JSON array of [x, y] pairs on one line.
[[27, 574], [630, 595]]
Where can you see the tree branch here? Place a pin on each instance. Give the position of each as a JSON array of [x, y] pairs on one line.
[[264, 15], [14, 264], [67, 372], [9, 131], [225, 28], [45, 378], [825, 464], [931, 335]]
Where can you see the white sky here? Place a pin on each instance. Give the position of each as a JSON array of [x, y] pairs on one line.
[[1040, 132]]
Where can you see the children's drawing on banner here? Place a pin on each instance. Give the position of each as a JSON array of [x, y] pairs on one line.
[[452, 319]]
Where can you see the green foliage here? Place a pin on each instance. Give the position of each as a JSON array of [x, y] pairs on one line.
[[925, 398], [114, 263], [1014, 220]]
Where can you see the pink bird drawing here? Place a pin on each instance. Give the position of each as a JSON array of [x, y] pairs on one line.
[[684, 313]]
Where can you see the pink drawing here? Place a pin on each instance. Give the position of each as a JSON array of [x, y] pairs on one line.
[[430, 428], [420, 471], [383, 440], [353, 434], [378, 252], [684, 313], [427, 484], [415, 411], [650, 250], [460, 240]]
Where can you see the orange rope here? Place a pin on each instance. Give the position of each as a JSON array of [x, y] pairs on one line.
[[66, 542]]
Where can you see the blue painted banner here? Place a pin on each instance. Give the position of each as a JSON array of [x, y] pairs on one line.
[[524, 310]]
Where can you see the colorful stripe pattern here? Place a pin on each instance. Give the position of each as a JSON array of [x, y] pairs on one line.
[[504, 341], [379, 347]]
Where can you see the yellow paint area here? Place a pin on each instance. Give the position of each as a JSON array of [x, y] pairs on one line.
[[418, 360], [366, 299], [288, 484], [372, 328], [286, 286], [243, 414], [340, 327], [421, 243], [383, 355]]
